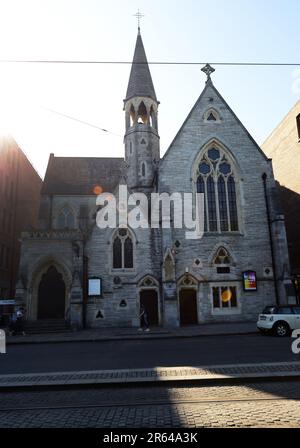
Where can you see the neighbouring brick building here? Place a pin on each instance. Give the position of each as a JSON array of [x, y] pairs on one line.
[[20, 188], [283, 147], [180, 281]]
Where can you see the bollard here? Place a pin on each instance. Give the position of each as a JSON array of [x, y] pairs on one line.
[[2, 342]]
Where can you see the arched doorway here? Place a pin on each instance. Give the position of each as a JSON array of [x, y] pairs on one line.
[[149, 299], [187, 296], [188, 307], [51, 295]]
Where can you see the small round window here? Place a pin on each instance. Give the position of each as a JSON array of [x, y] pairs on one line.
[[213, 154], [204, 168]]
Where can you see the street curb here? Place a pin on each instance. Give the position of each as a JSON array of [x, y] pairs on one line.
[[130, 338], [160, 375]]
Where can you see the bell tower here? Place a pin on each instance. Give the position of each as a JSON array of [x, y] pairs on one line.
[[141, 139]]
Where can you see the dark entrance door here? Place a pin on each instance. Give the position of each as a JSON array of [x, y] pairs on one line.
[[148, 298], [51, 295], [188, 307]]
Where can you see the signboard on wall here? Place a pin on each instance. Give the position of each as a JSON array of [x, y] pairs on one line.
[[95, 287], [249, 281]]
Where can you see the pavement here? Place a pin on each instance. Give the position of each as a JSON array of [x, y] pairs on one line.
[[203, 374], [266, 404], [110, 334]]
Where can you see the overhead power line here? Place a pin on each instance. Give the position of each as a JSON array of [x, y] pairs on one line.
[[80, 121], [36, 61]]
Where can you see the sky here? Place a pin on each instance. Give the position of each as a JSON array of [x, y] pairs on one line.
[[98, 30]]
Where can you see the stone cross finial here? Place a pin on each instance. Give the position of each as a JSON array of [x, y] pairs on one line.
[[139, 16], [208, 70]]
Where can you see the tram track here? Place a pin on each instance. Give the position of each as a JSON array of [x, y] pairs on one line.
[[148, 403]]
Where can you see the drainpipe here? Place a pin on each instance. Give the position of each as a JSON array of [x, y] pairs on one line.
[[84, 286], [264, 178]]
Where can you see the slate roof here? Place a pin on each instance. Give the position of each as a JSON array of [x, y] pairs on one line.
[[140, 81], [79, 175]]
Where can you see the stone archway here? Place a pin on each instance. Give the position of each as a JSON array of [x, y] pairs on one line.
[[149, 298], [188, 310], [51, 295], [39, 273], [187, 301]]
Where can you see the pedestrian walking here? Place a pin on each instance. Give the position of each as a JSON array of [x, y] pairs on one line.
[[20, 321], [12, 323], [144, 320]]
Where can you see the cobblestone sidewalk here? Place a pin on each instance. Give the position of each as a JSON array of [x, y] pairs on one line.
[[206, 373], [258, 404]]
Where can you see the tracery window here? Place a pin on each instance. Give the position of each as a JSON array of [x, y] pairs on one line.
[[212, 115], [217, 180], [66, 219], [222, 257], [122, 250]]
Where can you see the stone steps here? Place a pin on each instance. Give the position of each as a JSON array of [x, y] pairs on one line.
[[47, 326]]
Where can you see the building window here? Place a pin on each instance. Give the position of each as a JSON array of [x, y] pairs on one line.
[[298, 125], [222, 257], [123, 250], [224, 297], [217, 180], [66, 219], [211, 115]]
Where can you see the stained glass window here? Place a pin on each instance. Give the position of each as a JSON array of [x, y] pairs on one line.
[[232, 204], [213, 154], [216, 180], [211, 201], [201, 189], [222, 204]]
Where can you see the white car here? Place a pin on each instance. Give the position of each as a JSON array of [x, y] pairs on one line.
[[280, 320]]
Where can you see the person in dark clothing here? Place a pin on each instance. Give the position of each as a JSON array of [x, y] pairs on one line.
[[144, 319], [20, 321], [12, 323]]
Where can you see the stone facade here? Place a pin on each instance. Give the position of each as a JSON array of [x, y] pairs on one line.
[[183, 281], [283, 147]]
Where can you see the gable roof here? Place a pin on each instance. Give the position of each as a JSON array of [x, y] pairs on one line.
[[140, 81], [79, 175], [210, 84]]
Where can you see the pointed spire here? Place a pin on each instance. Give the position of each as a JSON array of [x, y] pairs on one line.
[[140, 81]]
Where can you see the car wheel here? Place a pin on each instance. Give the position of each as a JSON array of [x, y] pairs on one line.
[[281, 329]]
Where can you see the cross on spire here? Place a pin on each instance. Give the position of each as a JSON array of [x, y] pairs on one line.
[[208, 70], [139, 16]]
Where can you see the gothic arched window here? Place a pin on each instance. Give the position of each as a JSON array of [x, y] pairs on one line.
[[216, 179], [66, 219], [122, 250], [222, 257], [212, 115]]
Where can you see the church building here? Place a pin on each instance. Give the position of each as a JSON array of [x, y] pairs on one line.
[[74, 271]]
